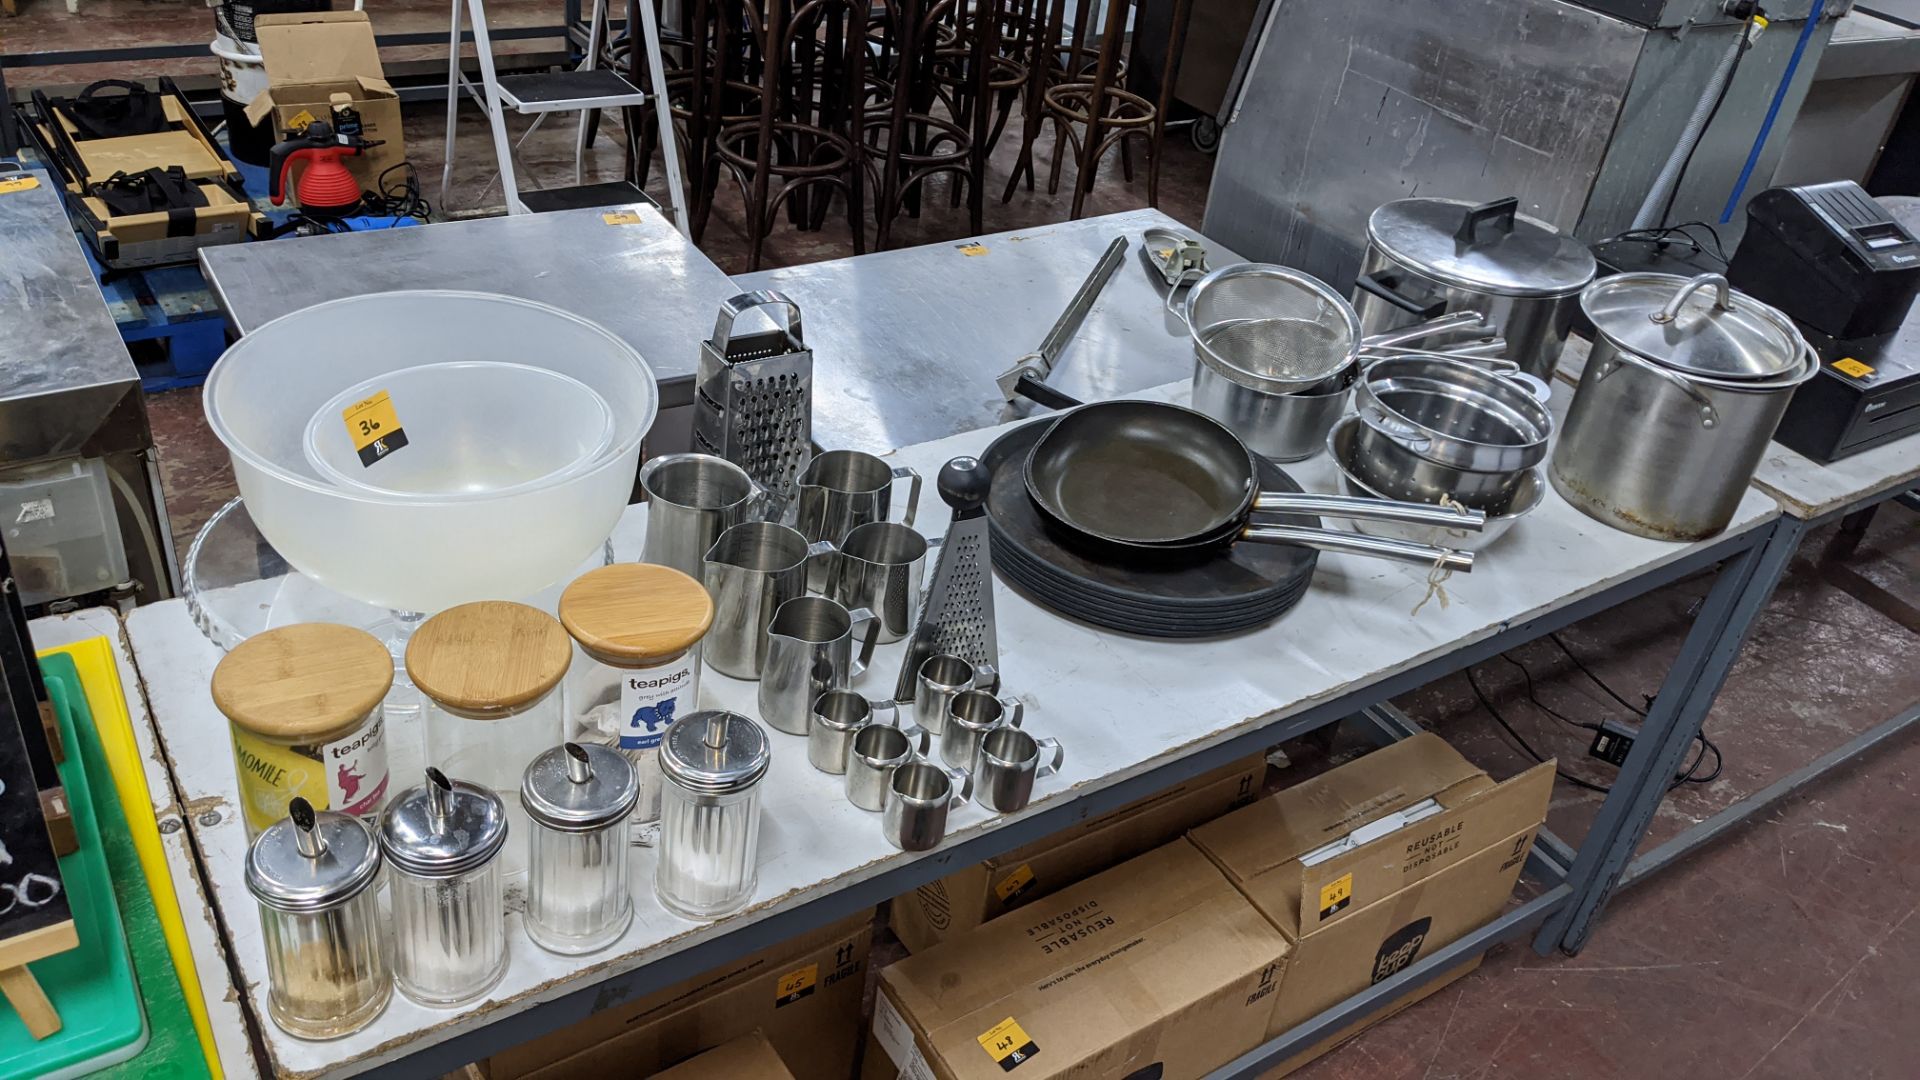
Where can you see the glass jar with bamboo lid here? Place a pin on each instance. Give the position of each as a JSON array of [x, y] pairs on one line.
[[490, 672], [637, 628], [303, 704]]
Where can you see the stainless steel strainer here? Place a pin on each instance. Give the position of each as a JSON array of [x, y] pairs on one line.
[[1271, 328]]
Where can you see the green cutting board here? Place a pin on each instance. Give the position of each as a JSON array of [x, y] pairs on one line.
[[92, 986], [173, 1050]]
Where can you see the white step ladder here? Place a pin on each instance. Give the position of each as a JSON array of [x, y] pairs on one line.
[[582, 90]]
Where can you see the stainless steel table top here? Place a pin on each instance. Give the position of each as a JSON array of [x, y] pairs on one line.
[[641, 280], [906, 343], [66, 381]]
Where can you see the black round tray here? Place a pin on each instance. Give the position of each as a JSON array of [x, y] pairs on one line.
[[1098, 613], [1244, 585]]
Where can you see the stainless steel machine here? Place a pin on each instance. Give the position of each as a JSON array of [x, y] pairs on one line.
[[1573, 107], [80, 500]]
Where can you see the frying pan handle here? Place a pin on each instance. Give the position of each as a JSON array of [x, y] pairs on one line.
[[1040, 393], [1378, 547], [1370, 509]]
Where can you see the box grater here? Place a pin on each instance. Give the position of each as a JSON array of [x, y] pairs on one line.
[[957, 618], [753, 401]]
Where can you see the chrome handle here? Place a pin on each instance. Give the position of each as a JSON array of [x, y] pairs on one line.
[[1445, 324], [1722, 301], [1378, 547], [913, 492], [1059, 757], [1017, 710], [737, 306], [916, 735], [962, 783], [1709, 417], [1369, 509], [860, 663], [1402, 433]]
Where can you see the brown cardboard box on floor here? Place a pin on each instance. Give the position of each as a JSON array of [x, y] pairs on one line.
[[1156, 967], [804, 995], [965, 899], [1361, 915], [749, 1057], [309, 58]]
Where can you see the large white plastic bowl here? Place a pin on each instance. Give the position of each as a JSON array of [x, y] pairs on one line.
[[473, 427], [412, 552]]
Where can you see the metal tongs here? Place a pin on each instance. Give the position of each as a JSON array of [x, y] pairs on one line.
[[1033, 369]]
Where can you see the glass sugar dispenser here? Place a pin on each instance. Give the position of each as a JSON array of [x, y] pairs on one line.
[[328, 969], [491, 673], [303, 708], [442, 841], [710, 813], [579, 797], [637, 629]]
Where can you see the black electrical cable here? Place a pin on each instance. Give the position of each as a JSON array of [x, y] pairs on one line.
[[1676, 235], [1746, 45], [1688, 775], [397, 198]]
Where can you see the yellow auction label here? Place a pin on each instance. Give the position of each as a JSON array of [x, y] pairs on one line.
[[1336, 894], [11, 184], [1850, 366], [1007, 1044], [795, 985], [299, 121], [621, 217], [374, 428], [972, 250], [1015, 883]]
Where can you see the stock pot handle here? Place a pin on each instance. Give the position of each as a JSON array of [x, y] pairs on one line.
[[1709, 416], [1722, 300], [1384, 288], [1500, 211]]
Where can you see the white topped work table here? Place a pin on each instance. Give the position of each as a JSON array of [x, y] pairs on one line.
[[1135, 715]]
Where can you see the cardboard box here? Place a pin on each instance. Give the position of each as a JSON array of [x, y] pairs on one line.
[[1157, 967], [311, 57], [1334, 1041], [749, 1057], [804, 995], [1362, 915], [961, 901]]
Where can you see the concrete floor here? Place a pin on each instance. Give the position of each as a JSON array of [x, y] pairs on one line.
[[1784, 951]]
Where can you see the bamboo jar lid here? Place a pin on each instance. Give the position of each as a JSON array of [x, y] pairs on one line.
[[488, 658], [636, 613], [303, 683]]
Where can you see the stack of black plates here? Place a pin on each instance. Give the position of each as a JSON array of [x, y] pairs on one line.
[[1243, 587]]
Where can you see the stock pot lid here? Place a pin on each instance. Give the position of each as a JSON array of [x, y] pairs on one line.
[[1509, 254], [1714, 332]]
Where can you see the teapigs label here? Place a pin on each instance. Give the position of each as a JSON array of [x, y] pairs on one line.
[[651, 699]]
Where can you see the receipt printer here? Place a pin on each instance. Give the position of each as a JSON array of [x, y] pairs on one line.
[[1830, 257]]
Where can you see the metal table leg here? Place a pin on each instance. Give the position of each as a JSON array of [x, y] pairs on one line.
[[1685, 695]]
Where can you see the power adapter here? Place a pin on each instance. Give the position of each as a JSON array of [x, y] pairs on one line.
[[1613, 742]]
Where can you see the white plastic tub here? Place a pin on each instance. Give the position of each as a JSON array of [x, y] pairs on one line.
[[418, 552]]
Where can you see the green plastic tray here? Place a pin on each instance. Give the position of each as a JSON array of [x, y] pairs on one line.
[[91, 987], [173, 1049]]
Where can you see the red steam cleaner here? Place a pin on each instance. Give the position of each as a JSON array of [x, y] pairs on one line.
[[326, 189]]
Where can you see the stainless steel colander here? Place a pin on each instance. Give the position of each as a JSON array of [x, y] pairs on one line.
[[1271, 328]]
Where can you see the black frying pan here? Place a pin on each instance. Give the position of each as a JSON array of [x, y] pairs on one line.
[[1150, 480]]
